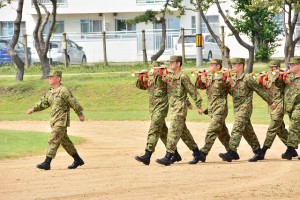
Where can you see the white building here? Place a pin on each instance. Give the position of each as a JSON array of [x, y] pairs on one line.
[[84, 21]]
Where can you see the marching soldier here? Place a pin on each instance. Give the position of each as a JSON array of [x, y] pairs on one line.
[[216, 91], [158, 108], [292, 105], [179, 85], [60, 99], [241, 89], [277, 126]]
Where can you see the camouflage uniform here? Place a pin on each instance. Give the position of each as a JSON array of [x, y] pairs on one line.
[[60, 101], [292, 104], [216, 91], [178, 87], [241, 89], [292, 108], [158, 108], [277, 126]]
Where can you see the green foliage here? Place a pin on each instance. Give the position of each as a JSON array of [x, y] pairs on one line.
[[15, 144], [148, 16], [259, 24]]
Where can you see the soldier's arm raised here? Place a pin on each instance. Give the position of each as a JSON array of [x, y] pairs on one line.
[[253, 84], [139, 84]]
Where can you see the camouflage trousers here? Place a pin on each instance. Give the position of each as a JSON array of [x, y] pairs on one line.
[[59, 136], [217, 128], [276, 127], [158, 129], [179, 130], [294, 129], [242, 127]]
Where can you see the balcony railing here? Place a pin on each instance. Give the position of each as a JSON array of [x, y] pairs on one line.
[[147, 2], [59, 2]]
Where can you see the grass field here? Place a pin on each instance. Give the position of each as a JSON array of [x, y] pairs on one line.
[[104, 97], [15, 144]]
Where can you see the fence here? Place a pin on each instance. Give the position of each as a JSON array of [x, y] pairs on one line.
[[122, 46]]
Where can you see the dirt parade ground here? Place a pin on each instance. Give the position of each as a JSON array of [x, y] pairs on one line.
[[111, 172]]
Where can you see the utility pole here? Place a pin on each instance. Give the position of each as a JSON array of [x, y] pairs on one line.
[[199, 56]]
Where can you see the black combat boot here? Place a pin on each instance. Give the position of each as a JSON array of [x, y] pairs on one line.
[[145, 159], [288, 153], [294, 153], [229, 156], [259, 155], [77, 162], [198, 156], [45, 165], [235, 155], [176, 157], [165, 160], [264, 149]]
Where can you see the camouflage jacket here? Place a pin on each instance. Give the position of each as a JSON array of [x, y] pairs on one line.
[[216, 90], [291, 86], [157, 90], [241, 89], [178, 88], [277, 93], [60, 102]]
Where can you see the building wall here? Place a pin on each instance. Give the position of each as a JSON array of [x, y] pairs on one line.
[[74, 11]]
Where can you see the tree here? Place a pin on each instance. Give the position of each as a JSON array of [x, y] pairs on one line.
[[156, 17], [259, 24], [42, 45], [12, 43], [290, 12], [202, 6]]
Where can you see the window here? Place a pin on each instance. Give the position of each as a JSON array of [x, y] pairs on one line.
[[91, 26], [213, 20], [58, 28], [7, 28], [171, 23], [121, 25]]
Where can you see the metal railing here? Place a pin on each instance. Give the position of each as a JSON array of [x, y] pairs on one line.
[[143, 2], [48, 2]]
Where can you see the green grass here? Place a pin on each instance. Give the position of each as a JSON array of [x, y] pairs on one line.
[[104, 97], [15, 144]]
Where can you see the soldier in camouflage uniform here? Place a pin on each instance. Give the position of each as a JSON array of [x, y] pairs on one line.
[[277, 126], [292, 105], [158, 108], [241, 88], [179, 85], [60, 99], [216, 90]]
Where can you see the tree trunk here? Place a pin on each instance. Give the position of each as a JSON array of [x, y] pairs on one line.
[[41, 45], [250, 48], [250, 61], [12, 43], [163, 41], [45, 62], [216, 38]]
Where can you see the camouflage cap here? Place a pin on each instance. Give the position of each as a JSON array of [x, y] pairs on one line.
[[156, 64], [237, 60], [274, 63], [294, 60], [215, 61], [55, 73], [176, 59]]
